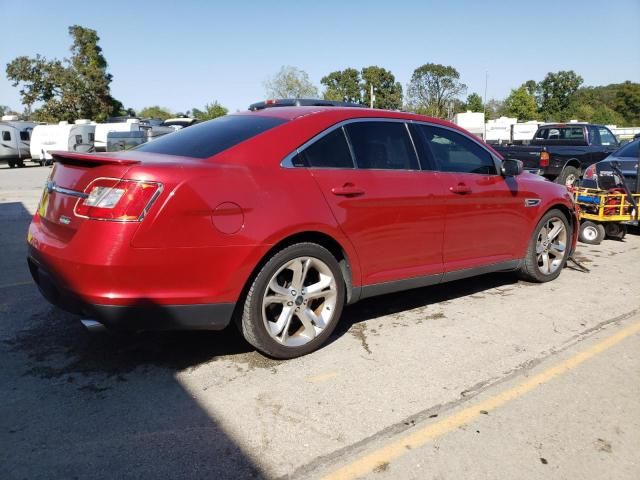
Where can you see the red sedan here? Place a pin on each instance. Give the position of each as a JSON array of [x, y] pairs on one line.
[[279, 217]]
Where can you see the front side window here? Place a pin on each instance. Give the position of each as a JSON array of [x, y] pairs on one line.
[[382, 145], [329, 151], [606, 137], [454, 152], [24, 135], [92, 137], [6, 135]]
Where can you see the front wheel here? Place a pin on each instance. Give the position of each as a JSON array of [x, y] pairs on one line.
[[295, 302], [548, 248], [591, 233]]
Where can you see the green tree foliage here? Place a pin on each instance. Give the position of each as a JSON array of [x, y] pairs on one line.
[[211, 111], [520, 104], [433, 87], [494, 109], [78, 87], [627, 102], [290, 82], [387, 92], [155, 112], [556, 94], [343, 86], [474, 103]]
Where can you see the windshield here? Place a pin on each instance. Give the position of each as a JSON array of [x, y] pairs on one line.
[[629, 150], [204, 140]]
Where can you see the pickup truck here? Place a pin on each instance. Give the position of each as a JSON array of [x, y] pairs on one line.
[[562, 151]]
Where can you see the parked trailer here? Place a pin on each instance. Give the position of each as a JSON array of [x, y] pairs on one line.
[[104, 129], [15, 136], [65, 136]]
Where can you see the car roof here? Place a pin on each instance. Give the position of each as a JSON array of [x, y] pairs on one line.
[[345, 113]]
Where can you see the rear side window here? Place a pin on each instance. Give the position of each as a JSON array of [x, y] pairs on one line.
[[382, 145], [92, 137], [210, 138], [330, 151], [454, 152], [78, 139], [6, 136], [629, 150]]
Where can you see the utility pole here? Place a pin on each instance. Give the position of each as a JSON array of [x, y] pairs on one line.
[[484, 105], [372, 96]]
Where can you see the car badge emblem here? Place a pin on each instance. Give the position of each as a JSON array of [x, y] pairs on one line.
[[65, 220]]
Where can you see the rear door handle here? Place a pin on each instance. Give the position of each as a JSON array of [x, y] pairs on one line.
[[347, 190], [460, 189]]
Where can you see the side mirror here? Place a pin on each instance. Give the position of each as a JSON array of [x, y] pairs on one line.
[[511, 167]]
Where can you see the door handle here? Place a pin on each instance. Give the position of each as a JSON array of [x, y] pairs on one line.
[[347, 190], [460, 189]]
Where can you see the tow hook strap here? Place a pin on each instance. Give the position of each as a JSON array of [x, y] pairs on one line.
[[579, 266]]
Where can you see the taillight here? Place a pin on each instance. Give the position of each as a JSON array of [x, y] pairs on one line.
[[590, 172], [544, 159], [118, 200]]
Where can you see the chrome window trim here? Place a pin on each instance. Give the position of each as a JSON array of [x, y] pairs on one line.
[[287, 162]]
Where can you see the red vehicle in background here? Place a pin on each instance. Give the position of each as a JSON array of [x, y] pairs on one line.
[[278, 217]]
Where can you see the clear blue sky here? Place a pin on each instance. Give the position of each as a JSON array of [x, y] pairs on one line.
[[183, 54]]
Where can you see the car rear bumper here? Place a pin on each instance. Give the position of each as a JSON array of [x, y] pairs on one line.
[[142, 314]]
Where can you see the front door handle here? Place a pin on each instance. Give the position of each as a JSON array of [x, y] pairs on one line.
[[460, 189], [347, 190]]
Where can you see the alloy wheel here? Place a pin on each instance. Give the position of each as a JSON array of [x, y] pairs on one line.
[[551, 245], [299, 301]]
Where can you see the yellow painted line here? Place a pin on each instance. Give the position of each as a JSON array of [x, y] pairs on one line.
[[18, 284], [397, 448]]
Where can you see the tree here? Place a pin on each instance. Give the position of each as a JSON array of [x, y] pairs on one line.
[[78, 87], [556, 92], [155, 112], [290, 82], [211, 111], [474, 103], [606, 116], [493, 109], [433, 87], [343, 86], [521, 104], [387, 92], [627, 102]]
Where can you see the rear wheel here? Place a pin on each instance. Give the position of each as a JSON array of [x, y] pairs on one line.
[[294, 302], [569, 176], [591, 233], [11, 163], [616, 231], [548, 248]]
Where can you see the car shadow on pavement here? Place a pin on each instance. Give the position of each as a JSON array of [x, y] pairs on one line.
[[76, 405]]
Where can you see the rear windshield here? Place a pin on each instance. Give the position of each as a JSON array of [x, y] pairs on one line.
[[210, 138], [629, 150]]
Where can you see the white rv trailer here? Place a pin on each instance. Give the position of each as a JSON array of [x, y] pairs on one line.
[[103, 131], [65, 136], [15, 136]]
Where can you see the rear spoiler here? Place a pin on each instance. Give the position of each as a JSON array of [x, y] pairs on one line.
[[91, 158]]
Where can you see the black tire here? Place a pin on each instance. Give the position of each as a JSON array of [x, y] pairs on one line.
[[11, 163], [591, 233], [615, 231], [530, 269], [252, 325], [569, 174], [20, 163]]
